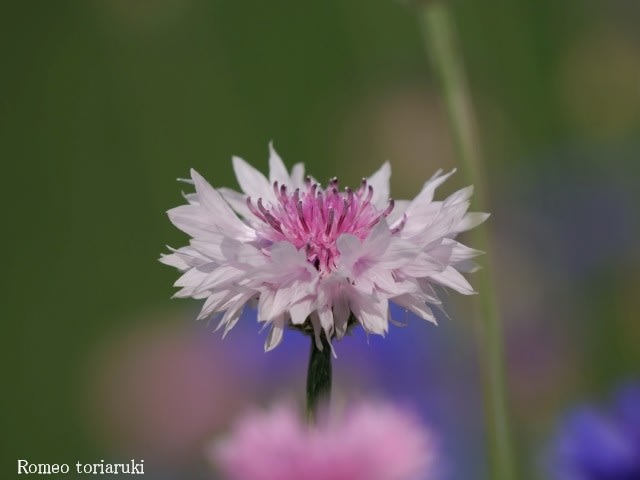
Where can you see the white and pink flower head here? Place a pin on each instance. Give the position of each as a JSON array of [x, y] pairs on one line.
[[319, 259], [372, 441]]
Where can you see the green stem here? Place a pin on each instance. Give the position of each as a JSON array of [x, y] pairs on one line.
[[440, 39], [318, 377]]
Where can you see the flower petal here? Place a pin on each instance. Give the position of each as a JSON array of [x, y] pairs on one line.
[[380, 183], [275, 335], [277, 170], [471, 220], [451, 278], [372, 312], [251, 181], [222, 215], [237, 201]]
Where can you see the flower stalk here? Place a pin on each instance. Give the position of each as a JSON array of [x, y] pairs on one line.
[[440, 39], [318, 377]]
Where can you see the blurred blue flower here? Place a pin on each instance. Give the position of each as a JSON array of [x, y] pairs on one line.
[[583, 213], [596, 444]]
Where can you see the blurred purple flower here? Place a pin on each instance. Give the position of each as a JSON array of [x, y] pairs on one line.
[[371, 442], [600, 445]]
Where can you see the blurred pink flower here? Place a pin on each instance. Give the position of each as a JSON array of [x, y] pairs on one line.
[[317, 257], [371, 442], [159, 388]]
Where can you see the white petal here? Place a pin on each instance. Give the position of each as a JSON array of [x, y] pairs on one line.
[[471, 220], [223, 275], [442, 226], [251, 181], [426, 289], [213, 302], [210, 248], [265, 304], [191, 198], [285, 265], [341, 314], [326, 318], [380, 183], [277, 170], [231, 317], [426, 194], [372, 313], [222, 215], [275, 336], [300, 289], [301, 310], [399, 253], [451, 278], [423, 265], [375, 244], [378, 240], [237, 201], [244, 254], [194, 276], [193, 220], [399, 208], [183, 258], [420, 218], [286, 296], [348, 245], [460, 252], [174, 260], [417, 305], [285, 253], [462, 195], [350, 263], [384, 281], [297, 176]]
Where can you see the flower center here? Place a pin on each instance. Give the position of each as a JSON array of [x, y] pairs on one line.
[[313, 218]]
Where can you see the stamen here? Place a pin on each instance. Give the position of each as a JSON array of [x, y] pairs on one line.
[[320, 201], [303, 222], [389, 208], [369, 195], [400, 225], [350, 194], [363, 185], [329, 221], [273, 222], [345, 209], [313, 216], [261, 207], [253, 209], [383, 214]]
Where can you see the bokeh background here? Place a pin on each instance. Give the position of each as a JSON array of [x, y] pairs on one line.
[[103, 103]]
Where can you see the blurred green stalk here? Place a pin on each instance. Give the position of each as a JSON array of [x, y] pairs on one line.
[[440, 38], [319, 378]]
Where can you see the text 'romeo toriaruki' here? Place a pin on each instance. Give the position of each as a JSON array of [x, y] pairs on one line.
[[132, 467]]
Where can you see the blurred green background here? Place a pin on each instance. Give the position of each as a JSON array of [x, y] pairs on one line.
[[105, 102]]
